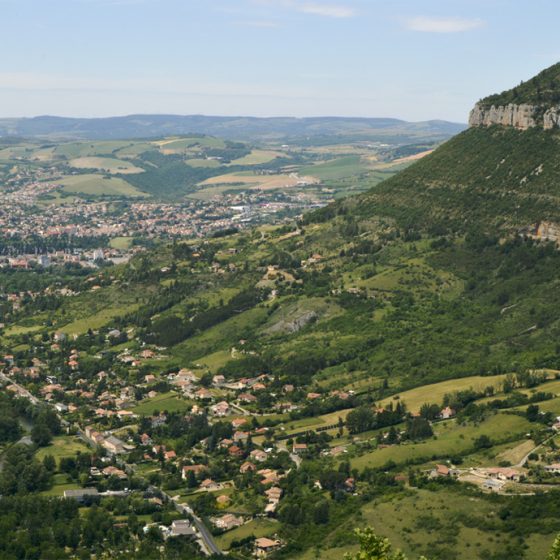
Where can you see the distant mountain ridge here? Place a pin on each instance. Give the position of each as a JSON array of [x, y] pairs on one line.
[[242, 128]]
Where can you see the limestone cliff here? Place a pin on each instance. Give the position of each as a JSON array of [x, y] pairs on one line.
[[521, 116]]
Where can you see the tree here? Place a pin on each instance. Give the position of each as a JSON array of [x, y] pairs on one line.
[[419, 428], [360, 420], [321, 512], [555, 550], [49, 463], [41, 435], [532, 412], [373, 547], [483, 442]]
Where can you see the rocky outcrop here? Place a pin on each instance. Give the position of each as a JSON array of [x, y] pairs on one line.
[[520, 116]]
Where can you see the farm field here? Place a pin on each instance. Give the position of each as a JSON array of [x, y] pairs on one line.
[[265, 182], [165, 401], [451, 439], [337, 169], [61, 447], [434, 393], [257, 157], [108, 165], [96, 185], [257, 528]]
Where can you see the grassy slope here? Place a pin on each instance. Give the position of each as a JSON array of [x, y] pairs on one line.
[[489, 177]]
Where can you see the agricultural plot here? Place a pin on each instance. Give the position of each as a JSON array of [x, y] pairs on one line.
[[257, 528], [165, 401], [257, 157], [451, 439], [97, 185], [62, 447], [434, 393], [106, 165]]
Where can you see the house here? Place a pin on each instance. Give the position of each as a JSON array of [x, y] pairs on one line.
[[227, 522], [447, 413], [170, 455], [247, 398], [113, 445], [264, 546], [196, 469], [114, 471], [440, 470], [554, 468], [146, 439], [209, 484], [238, 422], [504, 473], [235, 451], [203, 394], [247, 467], [259, 455], [240, 436], [274, 493], [183, 528], [299, 448], [218, 380], [313, 396], [225, 443], [220, 409]]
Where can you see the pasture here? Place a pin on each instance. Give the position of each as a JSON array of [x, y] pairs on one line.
[[62, 447], [97, 185], [165, 401], [105, 164], [257, 528], [450, 439], [433, 394]]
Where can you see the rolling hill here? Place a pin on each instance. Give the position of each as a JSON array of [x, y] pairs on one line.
[[280, 129]]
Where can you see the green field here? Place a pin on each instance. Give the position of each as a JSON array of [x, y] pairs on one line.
[[257, 157], [99, 319], [257, 528], [336, 169], [122, 243], [433, 394], [450, 439], [63, 446], [97, 185], [165, 401], [73, 150], [108, 165]]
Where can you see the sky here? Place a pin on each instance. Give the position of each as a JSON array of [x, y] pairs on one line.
[[409, 59]]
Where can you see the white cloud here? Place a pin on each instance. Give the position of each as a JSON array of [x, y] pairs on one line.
[[442, 24], [326, 10], [319, 8]]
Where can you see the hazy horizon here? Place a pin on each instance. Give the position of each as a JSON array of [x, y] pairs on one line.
[[302, 58]]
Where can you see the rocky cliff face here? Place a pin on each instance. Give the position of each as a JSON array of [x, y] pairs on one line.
[[521, 116]]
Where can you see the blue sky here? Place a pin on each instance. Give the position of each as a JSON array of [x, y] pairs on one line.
[[412, 59]]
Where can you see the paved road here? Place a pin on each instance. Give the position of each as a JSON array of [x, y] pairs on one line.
[[207, 538], [21, 389]]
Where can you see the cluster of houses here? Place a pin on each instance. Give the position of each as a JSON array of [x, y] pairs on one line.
[[112, 444]]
